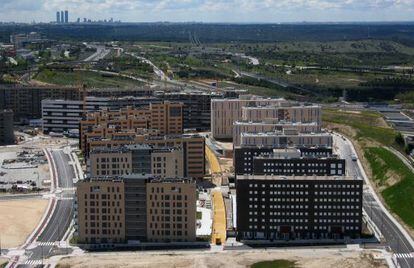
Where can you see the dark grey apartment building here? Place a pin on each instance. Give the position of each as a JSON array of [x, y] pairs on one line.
[[6, 127], [196, 109], [296, 161], [271, 208]]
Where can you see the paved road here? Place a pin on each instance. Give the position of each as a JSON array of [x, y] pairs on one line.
[[101, 52], [394, 238], [20, 197], [62, 216]]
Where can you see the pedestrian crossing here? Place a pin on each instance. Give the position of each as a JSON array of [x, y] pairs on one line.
[[46, 244], [33, 262], [404, 255]]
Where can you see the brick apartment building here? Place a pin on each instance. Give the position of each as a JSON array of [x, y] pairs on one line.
[[136, 159], [135, 208]]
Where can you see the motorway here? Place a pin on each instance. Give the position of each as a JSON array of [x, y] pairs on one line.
[[394, 238], [59, 222]]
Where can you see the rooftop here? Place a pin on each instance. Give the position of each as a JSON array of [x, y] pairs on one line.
[[299, 178]]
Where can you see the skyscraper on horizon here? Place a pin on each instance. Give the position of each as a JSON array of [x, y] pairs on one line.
[[58, 17], [62, 18], [66, 16]]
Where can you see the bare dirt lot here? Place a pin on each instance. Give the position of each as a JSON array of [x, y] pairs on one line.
[[303, 258], [18, 220]]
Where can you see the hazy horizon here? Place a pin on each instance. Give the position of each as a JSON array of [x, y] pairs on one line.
[[210, 11]]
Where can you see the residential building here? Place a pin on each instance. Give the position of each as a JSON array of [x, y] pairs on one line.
[[292, 112], [26, 101], [167, 117], [158, 119], [171, 210], [193, 147], [271, 208], [6, 127], [291, 163], [288, 161], [135, 208], [136, 159], [224, 112], [269, 125], [100, 213], [196, 109], [286, 138]]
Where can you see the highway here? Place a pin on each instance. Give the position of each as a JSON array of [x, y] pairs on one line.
[[62, 216], [394, 238]]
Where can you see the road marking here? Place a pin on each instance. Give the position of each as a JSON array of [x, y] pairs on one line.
[[46, 244], [33, 262], [404, 255]]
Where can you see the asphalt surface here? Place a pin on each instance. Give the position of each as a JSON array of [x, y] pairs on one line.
[[394, 238], [62, 216]]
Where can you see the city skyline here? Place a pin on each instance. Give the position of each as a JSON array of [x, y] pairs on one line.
[[242, 11]]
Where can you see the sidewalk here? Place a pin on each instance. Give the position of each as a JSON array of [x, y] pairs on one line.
[[219, 218]]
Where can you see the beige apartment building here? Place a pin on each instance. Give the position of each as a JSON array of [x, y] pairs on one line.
[[193, 150], [270, 126], [135, 208], [294, 114], [167, 117], [167, 163], [139, 159], [159, 119], [224, 112], [100, 212], [171, 210]]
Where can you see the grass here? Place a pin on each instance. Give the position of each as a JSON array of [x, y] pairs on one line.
[[199, 215], [275, 264], [399, 196], [367, 124], [90, 79]]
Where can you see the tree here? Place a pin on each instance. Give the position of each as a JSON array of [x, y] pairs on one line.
[[399, 139]]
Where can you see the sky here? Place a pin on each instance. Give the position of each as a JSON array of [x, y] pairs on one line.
[[233, 11]]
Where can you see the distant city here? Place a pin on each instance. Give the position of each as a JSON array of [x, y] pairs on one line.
[[62, 17]]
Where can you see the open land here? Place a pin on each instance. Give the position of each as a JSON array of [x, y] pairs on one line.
[[302, 258], [19, 219]]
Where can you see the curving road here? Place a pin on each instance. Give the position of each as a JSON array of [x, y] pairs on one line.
[[395, 239]]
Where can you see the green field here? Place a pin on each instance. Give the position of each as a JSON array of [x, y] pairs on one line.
[[399, 197], [275, 264], [90, 79], [367, 124]]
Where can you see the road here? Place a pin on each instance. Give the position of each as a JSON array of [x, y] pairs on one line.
[[157, 70], [101, 52], [59, 222], [395, 239]]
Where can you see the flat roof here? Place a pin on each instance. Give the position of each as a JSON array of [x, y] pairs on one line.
[[280, 133], [289, 178]]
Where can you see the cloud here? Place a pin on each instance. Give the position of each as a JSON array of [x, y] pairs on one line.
[[226, 10]]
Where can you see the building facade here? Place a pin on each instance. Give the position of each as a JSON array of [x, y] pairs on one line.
[[100, 212], [285, 161], [6, 127], [224, 112], [135, 208], [240, 127], [171, 210], [286, 138], [136, 159], [167, 117], [273, 208]]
